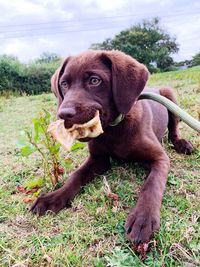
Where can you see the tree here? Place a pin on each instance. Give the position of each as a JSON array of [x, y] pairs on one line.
[[106, 45], [147, 42], [47, 57], [196, 59], [187, 62]]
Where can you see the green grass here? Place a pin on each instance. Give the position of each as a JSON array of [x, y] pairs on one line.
[[91, 232]]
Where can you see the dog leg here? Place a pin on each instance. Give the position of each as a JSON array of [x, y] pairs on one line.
[[180, 145], [144, 219], [61, 198]]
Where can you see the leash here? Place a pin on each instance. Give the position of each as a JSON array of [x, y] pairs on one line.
[[183, 115]]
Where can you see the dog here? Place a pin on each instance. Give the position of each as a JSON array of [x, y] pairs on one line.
[[111, 82]]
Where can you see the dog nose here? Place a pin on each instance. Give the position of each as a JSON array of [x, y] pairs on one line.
[[67, 113]]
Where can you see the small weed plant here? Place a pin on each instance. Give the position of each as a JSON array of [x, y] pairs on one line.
[[37, 140]]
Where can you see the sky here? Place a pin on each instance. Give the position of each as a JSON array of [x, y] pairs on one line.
[[66, 27]]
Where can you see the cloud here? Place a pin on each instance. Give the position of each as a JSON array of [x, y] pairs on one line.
[[29, 28]]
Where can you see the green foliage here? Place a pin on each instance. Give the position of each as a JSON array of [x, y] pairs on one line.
[[38, 140], [196, 60], [182, 63], [38, 182], [119, 259], [122, 258], [147, 42], [77, 146], [106, 45], [33, 78], [11, 71]]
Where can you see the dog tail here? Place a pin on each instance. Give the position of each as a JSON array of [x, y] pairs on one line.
[[173, 135], [180, 145]]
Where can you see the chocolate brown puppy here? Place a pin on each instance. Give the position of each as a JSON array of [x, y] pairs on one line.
[[111, 82]]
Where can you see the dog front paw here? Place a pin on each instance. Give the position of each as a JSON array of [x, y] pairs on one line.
[[53, 201], [141, 224]]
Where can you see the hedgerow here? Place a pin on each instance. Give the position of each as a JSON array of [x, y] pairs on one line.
[[19, 78]]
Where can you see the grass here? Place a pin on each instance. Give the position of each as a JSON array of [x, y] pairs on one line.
[[91, 232]]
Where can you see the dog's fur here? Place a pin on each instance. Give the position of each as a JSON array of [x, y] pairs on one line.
[[136, 138]]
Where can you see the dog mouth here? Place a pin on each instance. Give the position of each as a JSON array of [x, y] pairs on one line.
[[80, 119], [86, 139], [83, 118], [88, 129]]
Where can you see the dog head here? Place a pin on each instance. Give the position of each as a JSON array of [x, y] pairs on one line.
[[108, 81]]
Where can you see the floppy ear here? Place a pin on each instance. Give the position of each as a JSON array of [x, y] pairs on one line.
[[128, 79], [55, 87]]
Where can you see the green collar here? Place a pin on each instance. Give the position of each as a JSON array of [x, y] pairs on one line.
[[117, 120]]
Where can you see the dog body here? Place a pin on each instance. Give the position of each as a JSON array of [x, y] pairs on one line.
[[123, 141], [111, 82]]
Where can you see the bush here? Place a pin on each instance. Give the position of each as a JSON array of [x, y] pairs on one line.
[[196, 60], [21, 78], [11, 70]]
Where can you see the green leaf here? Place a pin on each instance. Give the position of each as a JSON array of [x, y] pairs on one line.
[[67, 165], [38, 182], [98, 263], [55, 148], [120, 258], [36, 194], [27, 150], [67, 162], [172, 180], [37, 129], [77, 146]]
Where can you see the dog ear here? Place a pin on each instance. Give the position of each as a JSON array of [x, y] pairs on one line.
[[128, 79], [55, 86]]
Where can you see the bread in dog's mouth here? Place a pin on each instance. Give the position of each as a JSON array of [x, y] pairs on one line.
[[66, 137]]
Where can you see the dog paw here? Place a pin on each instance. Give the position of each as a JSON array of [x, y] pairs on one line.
[[183, 146], [141, 224], [48, 202]]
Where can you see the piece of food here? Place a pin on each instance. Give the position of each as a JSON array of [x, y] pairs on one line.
[[58, 131], [66, 137]]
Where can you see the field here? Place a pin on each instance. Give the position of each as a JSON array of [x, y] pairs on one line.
[[91, 232]]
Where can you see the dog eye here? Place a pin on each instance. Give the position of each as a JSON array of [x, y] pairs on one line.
[[64, 84], [94, 80]]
